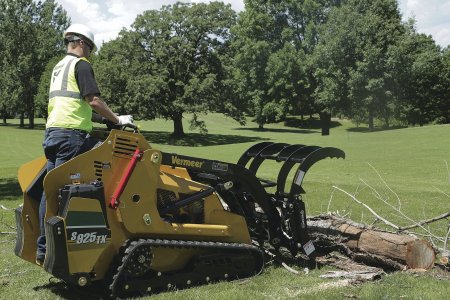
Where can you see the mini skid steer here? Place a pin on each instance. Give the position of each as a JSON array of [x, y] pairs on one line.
[[140, 221]]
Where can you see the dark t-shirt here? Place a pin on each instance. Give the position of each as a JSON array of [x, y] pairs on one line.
[[85, 77]]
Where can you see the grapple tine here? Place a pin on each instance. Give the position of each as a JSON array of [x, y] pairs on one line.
[[266, 153], [312, 158], [287, 151], [252, 152], [296, 157]]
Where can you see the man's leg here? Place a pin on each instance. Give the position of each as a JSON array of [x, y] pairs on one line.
[[50, 154], [41, 241], [60, 145]]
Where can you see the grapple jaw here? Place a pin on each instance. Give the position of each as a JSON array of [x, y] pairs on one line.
[[288, 203]]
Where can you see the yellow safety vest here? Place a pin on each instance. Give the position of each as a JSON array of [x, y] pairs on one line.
[[66, 106]]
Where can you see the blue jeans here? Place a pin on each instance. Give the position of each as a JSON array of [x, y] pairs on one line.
[[60, 145]]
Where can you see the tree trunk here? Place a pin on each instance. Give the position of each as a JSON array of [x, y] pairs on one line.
[[386, 118], [31, 119], [325, 120], [178, 125], [370, 117], [369, 245], [22, 122]]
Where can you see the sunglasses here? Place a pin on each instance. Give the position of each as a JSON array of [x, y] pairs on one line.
[[77, 39]]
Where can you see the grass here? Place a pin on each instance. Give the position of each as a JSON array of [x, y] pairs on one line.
[[411, 161]]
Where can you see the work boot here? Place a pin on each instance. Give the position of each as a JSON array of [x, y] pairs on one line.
[[40, 259]]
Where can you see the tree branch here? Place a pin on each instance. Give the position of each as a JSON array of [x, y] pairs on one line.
[[368, 208], [424, 222], [5, 208], [384, 182]]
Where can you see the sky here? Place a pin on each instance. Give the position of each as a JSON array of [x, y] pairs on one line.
[[107, 17]]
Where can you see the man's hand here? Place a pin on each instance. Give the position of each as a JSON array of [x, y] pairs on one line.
[[125, 120]]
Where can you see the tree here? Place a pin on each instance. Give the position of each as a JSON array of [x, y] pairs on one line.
[[41, 97], [446, 83], [116, 71], [170, 62], [286, 80], [334, 58], [418, 70], [353, 77], [272, 42], [31, 34]]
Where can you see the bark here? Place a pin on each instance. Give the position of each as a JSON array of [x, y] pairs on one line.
[[31, 119], [371, 117], [351, 270], [22, 122], [178, 125], [371, 246], [4, 115]]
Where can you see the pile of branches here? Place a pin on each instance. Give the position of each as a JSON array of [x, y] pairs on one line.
[[367, 251]]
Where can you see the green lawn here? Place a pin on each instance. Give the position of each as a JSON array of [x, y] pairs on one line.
[[412, 162]]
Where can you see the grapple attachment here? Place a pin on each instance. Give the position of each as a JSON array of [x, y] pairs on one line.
[[279, 217], [291, 155], [288, 203]]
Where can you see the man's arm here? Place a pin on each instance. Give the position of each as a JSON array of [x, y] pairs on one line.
[[89, 90], [101, 108]]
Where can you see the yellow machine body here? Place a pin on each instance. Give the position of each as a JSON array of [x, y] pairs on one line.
[[137, 215], [141, 220]]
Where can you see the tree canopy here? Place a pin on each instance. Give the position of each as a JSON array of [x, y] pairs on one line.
[[170, 62], [30, 35], [272, 42], [351, 58]]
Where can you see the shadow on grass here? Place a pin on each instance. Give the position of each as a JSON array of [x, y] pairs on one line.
[[279, 130], [65, 291], [25, 127], [190, 140], [376, 129], [308, 124], [196, 139], [295, 125], [9, 189]]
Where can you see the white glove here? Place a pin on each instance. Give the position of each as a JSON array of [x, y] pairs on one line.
[[125, 120]]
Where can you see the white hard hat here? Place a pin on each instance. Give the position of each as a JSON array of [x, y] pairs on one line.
[[80, 29]]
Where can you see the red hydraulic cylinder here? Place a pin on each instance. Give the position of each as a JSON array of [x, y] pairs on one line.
[[114, 203]]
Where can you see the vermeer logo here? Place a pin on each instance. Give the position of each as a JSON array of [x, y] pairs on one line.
[[187, 162]]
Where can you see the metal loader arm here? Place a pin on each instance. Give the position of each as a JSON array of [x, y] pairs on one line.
[[244, 183]]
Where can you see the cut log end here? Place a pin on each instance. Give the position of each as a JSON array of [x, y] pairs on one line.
[[420, 255]]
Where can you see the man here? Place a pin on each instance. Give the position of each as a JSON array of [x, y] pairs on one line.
[[73, 95]]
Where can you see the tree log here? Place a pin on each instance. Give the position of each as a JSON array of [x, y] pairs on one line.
[[369, 245]]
